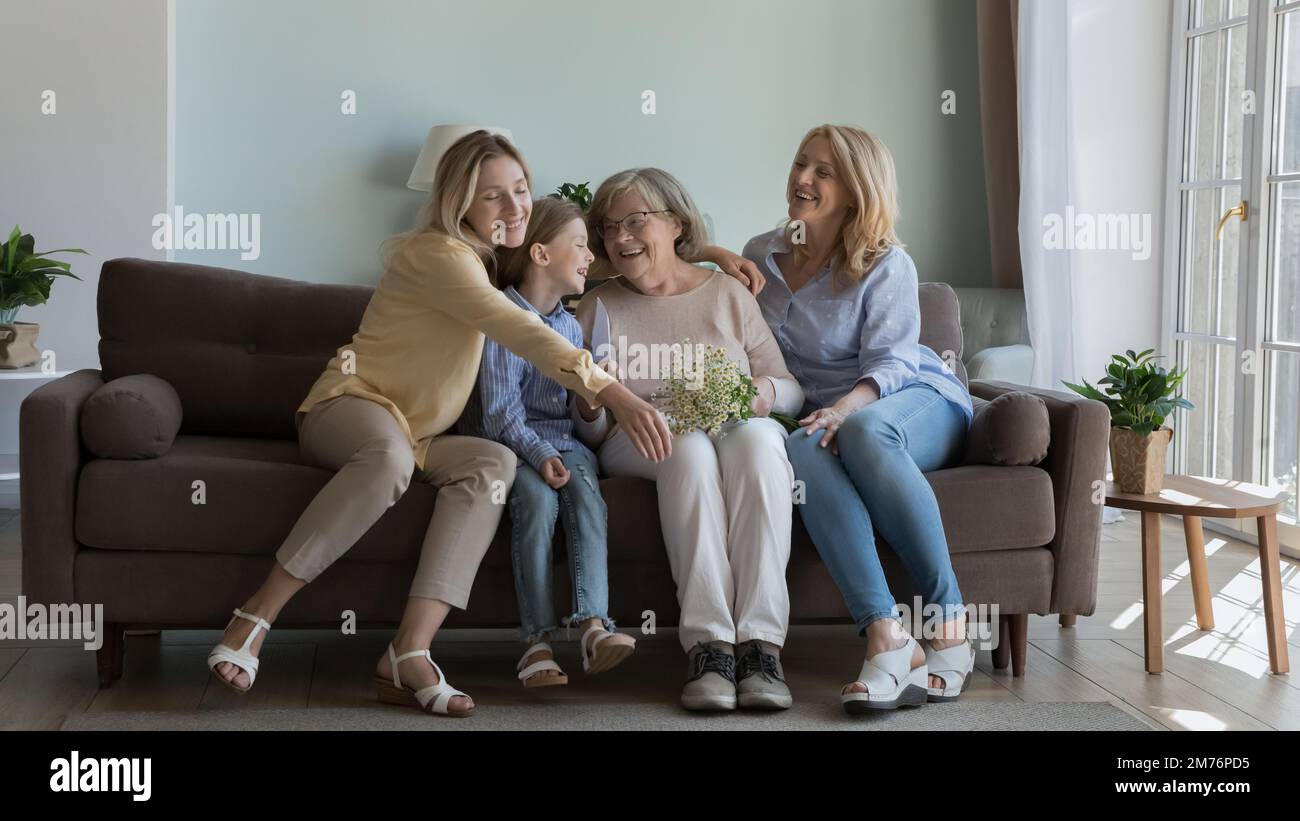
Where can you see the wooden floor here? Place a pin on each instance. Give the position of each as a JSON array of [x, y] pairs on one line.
[[1216, 680]]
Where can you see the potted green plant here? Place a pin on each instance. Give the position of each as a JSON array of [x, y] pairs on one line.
[[25, 279], [1140, 394]]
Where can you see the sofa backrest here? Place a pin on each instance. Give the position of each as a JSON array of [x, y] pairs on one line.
[[992, 318], [241, 350]]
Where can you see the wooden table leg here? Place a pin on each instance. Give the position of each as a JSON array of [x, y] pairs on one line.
[[1152, 616], [1200, 574], [1270, 572]]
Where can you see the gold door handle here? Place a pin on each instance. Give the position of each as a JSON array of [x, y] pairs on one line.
[[1238, 210]]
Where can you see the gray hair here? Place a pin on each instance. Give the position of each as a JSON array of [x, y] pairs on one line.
[[661, 192]]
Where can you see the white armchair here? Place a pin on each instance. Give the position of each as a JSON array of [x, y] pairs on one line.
[[995, 335]]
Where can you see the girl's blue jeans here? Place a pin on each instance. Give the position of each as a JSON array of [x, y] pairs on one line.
[[534, 508], [875, 485]]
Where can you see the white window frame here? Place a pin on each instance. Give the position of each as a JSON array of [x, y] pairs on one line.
[[1258, 150]]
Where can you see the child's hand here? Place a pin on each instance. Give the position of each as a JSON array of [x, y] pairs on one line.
[[555, 473]]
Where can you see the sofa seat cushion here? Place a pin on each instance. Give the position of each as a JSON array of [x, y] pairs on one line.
[[252, 492]]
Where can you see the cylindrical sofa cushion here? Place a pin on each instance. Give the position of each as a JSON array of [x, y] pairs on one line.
[[1013, 429], [132, 417]]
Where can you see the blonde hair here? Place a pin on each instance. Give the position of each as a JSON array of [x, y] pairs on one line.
[[550, 216], [454, 183], [865, 167], [661, 192]]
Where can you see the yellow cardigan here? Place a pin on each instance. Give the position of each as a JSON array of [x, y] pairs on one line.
[[418, 349]]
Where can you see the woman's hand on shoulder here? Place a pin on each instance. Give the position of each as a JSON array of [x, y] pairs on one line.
[[735, 266]]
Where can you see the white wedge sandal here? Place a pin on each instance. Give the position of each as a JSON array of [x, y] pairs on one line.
[[952, 664], [241, 658], [527, 671], [432, 699], [891, 682]]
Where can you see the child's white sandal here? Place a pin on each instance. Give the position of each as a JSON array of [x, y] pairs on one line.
[[527, 671]]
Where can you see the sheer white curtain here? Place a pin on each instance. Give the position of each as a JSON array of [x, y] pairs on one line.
[[1047, 169]]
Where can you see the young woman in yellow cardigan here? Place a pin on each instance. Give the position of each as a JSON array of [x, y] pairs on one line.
[[379, 413]]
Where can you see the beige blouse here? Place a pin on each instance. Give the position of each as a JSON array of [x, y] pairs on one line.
[[418, 348], [719, 311]]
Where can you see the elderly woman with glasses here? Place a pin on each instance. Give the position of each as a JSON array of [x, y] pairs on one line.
[[724, 500]]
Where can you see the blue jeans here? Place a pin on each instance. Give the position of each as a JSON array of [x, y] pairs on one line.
[[534, 508], [876, 485]]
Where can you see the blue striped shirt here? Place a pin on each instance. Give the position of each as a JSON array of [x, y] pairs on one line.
[[516, 404], [834, 338]]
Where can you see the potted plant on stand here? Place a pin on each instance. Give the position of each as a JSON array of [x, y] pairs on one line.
[[1140, 394], [25, 279]]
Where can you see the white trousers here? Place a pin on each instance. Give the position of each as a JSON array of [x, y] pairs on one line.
[[725, 510]]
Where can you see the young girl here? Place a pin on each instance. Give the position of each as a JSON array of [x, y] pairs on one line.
[[518, 406]]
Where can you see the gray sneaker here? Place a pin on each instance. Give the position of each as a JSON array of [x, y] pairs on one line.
[[760, 680], [710, 677]]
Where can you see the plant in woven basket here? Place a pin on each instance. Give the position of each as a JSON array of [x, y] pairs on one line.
[[704, 391], [1141, 394]]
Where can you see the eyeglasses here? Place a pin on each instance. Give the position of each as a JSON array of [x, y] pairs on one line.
[[633, 222]]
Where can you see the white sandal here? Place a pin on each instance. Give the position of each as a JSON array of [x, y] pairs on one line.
[[891, 682], [241, 658], [602, 650], [527, 671], [952, 664], [438, 695]]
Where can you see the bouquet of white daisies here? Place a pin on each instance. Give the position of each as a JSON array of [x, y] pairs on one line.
[[706, 391]]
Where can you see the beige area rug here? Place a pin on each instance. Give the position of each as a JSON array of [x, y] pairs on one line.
[[1060, 716]]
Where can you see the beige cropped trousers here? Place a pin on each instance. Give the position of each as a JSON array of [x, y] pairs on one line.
[[374, 464]]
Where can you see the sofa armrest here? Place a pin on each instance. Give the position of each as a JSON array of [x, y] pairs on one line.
[[49, 460], [1005, 363], [1076, 459]]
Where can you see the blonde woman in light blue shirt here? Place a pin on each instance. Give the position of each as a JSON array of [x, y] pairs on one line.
[[840, 295]]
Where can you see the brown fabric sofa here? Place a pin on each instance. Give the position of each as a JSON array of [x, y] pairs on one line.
[[242, 350]]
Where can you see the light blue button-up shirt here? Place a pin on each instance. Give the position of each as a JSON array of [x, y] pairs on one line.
[[832, 339]]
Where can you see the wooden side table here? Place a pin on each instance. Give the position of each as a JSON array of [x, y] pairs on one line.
[[1194, 498]]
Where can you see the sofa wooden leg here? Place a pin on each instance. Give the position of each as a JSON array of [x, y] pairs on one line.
[[1002, 651], [109, 657], [1067, 619], [1019, 624]]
